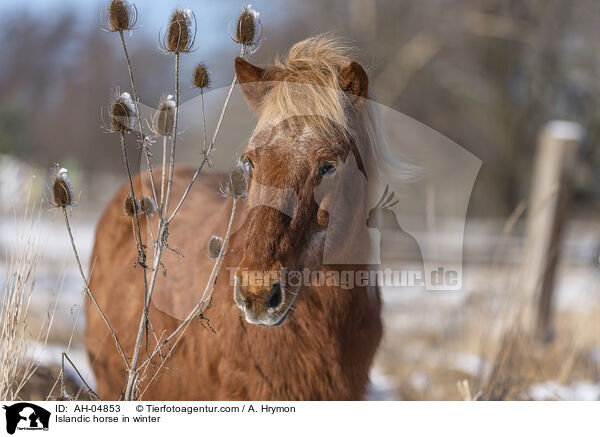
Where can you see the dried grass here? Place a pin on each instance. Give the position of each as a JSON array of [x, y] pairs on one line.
[[16, 348]]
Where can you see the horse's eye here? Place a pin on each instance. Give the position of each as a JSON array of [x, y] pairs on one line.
[[327, 168]]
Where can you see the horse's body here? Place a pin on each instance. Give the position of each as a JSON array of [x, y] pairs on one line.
[[324, 349]]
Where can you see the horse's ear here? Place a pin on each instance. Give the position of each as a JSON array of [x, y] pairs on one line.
[[251, 80], [353, 80]]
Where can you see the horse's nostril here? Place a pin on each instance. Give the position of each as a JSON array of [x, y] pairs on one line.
[[276, 296]]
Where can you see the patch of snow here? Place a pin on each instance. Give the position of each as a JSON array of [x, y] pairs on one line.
[[564, 130], [465, 362], [576, 391], [254, 13]]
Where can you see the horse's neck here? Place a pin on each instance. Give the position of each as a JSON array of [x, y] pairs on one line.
[[334, 310], [327, 341]]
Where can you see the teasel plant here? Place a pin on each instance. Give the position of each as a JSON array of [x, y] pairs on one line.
[[63, 197], [121, 17], [201, 81], [248, 29], [178, 39], [124, 116], [248, 34]]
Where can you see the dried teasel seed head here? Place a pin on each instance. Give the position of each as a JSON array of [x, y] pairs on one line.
[[122, 112], [62, 190], [237, 184], [121, 16], [239, 181], [215, 245], [248, 29], [164, 118], [180, 35], [148, 206], [201, 76], [130, 207]]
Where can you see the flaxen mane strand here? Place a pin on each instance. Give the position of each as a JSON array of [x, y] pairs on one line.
[[311, 86]]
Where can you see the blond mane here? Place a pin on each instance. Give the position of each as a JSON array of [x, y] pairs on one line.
[[311, 86]]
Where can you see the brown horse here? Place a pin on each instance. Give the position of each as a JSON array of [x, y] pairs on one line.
[[269, 340]]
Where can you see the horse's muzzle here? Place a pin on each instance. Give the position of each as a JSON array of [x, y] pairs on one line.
[[268, 306]]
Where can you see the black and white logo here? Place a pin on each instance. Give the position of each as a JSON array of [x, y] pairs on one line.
[[26, 416]]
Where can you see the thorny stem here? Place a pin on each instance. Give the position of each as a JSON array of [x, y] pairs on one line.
[[141, 259], [133, 231], [134, 371], [146, 151], [189, 187], [139, 118], [164, 170], [174, 143], [141, 252], [211, 147], [203, 117], [89, 291], [208, 291]]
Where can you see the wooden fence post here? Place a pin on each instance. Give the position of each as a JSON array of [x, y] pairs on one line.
[[548, 206]]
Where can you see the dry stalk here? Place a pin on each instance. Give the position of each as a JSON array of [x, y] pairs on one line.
[[133, 372], [88, 290], [202, 302], [203, 118], [211, 147], [174, 142], [163, 176], [90, 391], [142, 138], [179, 38]]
